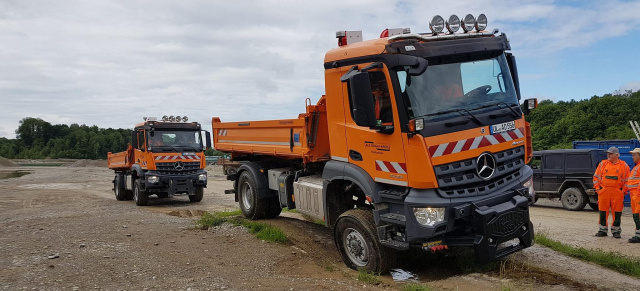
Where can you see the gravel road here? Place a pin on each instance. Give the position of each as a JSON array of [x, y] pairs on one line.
[[62, 229]]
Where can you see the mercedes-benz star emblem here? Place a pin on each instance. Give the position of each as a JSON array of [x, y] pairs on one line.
[[485, 166], [178, 166]]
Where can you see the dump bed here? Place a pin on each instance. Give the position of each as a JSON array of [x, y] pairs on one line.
[[121, 160], [305, 137]]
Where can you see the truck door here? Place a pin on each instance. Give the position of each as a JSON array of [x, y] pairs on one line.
[[552, 167], [380, 153]]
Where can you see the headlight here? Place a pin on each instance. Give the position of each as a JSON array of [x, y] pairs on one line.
[[202, 177], [429, 216], [529, 186], [153, 179]]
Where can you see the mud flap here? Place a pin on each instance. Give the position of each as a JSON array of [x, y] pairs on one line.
[[500, 224]]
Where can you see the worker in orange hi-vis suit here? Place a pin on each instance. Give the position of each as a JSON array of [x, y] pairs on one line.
[[633, 183], [610, 181]]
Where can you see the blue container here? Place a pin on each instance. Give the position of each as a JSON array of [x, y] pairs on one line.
[[623, 145]]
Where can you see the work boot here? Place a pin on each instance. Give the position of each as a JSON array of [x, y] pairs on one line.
[[601, 233], [616, 235], [634, 240]]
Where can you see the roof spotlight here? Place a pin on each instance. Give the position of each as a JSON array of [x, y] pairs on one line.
[[165, 118], [453, 23], [178, 118], [172, 118], [481, 22], [468, 22], [436, 24], [184, 119]]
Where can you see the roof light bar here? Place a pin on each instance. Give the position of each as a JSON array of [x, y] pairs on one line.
[[436, 24], [453, 23]]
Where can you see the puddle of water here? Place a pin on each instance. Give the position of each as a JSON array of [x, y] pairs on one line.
[[400, 275]]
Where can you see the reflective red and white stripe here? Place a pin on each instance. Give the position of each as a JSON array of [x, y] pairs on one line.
[[222, 132], [181, 157], [474, 143], [391, 167]]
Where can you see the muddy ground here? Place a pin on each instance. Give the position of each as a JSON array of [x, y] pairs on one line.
[[62, 229]]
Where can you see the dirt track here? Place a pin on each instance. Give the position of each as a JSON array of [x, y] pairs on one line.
[[61, 227]]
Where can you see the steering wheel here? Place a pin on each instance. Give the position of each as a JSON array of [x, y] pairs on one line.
[[480, 90]]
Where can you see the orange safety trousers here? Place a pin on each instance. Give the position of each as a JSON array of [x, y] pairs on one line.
[[610, 199], [635, 202]]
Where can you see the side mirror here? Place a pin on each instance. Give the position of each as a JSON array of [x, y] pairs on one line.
[[529, 105], [361, 99], [134, 139], [416, 65], [208, 139]]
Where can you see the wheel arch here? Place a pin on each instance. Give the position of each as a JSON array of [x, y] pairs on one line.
[[572, 183]]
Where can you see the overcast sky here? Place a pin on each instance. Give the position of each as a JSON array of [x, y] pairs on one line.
[[109, 63]]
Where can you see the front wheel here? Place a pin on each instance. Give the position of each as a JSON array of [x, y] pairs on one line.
[[197, 197], [573, 199], [356, 239], [139, 196]]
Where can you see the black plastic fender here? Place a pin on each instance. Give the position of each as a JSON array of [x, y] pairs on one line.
[[260, 178]]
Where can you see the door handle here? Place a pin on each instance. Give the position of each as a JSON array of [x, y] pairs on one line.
[[354, 155]]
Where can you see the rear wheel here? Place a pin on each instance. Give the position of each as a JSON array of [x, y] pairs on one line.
[[593, 205], [198, 196], [139, 196], [274, 207], [118, 189], [252, 207], [356, 239], [162, 195], [573, 199]]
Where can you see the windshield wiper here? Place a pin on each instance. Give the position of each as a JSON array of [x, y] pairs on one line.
[[515, 114], [188, 146], [473, 117], [459, 111]]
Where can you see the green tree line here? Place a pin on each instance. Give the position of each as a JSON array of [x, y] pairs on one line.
[[555, 125]]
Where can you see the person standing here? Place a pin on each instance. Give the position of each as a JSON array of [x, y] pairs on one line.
[[633, 183], [610, 181]]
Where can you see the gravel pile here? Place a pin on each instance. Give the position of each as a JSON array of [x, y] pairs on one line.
[[4, 162]]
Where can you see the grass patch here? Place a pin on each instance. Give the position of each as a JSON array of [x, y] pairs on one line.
[[611, 260], [14, 174], [415, 287], [262, 231], [368, 277], [289, 210]]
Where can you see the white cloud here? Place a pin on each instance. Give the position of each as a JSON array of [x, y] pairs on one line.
[[110, 63]]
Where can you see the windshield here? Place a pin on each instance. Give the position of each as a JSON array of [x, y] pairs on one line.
[[447, 88], [176, 140]]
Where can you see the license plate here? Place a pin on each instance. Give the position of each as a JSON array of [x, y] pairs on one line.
[[188, 153], [502, 127]]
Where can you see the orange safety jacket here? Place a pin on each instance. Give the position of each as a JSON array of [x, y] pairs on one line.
[[610, 175], [633, 182]]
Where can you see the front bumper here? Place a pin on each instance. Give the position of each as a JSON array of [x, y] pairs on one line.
[[174, 184]]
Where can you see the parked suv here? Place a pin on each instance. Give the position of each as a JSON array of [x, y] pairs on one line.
[[568, 175]]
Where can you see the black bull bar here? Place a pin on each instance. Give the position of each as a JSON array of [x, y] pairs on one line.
[[494, 226]]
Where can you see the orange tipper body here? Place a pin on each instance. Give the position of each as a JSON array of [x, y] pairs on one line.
[[425, 131], [164, 159]]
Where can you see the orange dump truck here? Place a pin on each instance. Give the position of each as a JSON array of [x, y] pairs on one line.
[[420, 141], [165, 158]]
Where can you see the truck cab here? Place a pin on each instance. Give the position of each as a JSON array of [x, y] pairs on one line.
[[165, 158]]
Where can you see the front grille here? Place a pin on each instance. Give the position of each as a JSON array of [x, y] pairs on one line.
[[460, 179], [169, 168]]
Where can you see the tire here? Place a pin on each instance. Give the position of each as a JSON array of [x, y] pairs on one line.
[[118, 189], [140, 197], [252, 207], [356, 238], [198, 196], [274, 208], [573, 199], [593, 206]]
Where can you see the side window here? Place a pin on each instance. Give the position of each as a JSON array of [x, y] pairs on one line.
[[381, 98], [140, 139], [553, 162], [578, 162], [536, 162]]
